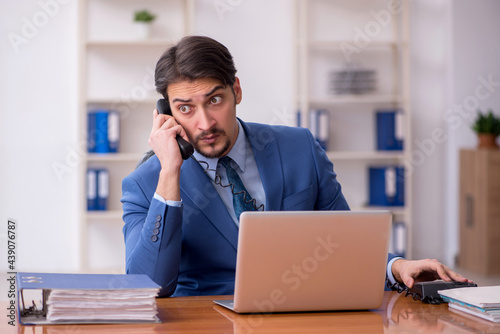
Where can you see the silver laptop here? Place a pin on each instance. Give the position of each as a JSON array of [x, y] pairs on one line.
[[310, 261]]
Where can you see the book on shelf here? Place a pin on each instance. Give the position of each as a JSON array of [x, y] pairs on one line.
[[45, 298], [91, 189], [398, 242], [319, 124], [103, 131], [386, 185], [97, 189], [482, 302], [389, 130]]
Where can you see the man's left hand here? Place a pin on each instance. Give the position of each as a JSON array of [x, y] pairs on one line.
[[409, 272]]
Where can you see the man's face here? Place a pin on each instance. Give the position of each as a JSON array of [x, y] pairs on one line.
[[207, 112]]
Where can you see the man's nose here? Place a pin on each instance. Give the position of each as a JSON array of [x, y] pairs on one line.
[[205, 121]]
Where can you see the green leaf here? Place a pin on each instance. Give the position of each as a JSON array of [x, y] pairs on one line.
[[143, 16], [487, 123]]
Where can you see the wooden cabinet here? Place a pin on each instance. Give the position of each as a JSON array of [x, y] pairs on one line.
[[480, 211]]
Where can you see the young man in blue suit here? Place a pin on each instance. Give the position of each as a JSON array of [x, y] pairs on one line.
[[181, 227]]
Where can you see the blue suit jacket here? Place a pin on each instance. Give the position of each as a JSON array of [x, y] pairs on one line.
[[191, 250]]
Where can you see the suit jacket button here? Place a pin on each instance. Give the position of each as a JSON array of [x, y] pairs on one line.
[[154, 238], [158, 218], [156, 231], [157, 224]]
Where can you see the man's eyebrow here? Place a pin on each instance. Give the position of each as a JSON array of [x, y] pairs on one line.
[[216, 88], [181, 100]]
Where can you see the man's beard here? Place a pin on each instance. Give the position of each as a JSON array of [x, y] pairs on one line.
[[211, 151]]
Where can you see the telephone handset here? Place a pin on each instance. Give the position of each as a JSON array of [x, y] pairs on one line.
[[186, 148]]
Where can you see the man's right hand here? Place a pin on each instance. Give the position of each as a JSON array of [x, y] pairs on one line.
[[163, 142]]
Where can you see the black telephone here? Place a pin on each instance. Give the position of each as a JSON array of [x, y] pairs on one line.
[[427, 292], [186, 148]]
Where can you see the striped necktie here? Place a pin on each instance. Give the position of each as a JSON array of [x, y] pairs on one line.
[[242, 201]]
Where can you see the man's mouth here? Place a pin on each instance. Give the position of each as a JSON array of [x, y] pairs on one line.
[[209, 139]]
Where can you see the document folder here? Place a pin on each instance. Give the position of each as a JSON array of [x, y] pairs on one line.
[[85, 298]]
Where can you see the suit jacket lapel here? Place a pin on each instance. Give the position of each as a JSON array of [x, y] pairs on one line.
[[196, 185], [268, 160]]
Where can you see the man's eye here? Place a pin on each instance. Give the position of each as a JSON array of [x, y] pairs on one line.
[[216, 100], [184, 109]]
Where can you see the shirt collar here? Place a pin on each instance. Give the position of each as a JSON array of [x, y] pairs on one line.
[[238, 153], [240, 148]]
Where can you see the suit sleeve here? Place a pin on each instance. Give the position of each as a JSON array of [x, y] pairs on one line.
[[330, 195], [153, 236]]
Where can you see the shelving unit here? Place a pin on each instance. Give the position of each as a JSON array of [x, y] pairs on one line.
[[374, 34], [116, 72]]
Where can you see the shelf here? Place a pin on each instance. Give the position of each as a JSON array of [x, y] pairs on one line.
[[364, 155], [116, 72], [396, 210], [331, 34], [114, 157], [361, 98], [336, 45], [105, 215], [117, 43], [147, 100]]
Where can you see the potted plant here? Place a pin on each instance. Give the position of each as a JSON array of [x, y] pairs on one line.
[[143, 19], [487, 127]]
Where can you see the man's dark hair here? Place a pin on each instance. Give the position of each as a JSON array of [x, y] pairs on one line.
[[194, 57]]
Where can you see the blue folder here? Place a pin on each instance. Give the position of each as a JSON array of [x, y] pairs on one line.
[[386, 186], [97, 189], [103, 131], [399, 238], [91, 132], [102, 189], [389, 134], [133, 285], [319, 123], [91, 189]]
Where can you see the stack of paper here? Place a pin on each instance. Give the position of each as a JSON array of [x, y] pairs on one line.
[[89, 298], [99, 305], [483, 302]]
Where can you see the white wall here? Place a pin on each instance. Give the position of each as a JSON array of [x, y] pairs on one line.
[[37, 124], [259, 34], [453, 46], [475, 57], [429, 28], [38, 90]]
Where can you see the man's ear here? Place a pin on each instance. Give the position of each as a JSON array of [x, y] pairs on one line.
[[237, 90]]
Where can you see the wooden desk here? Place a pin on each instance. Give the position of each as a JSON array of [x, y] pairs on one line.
[[200, 315]]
